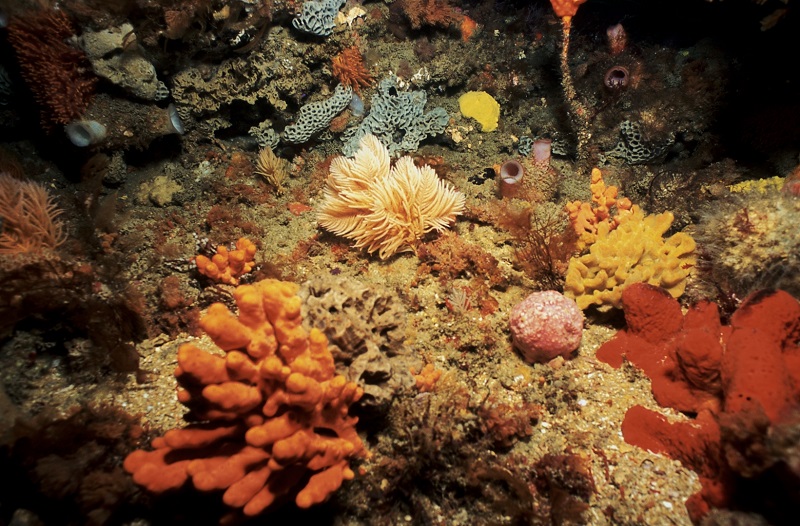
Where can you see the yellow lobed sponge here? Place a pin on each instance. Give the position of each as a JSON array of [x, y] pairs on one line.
[[633, 252]]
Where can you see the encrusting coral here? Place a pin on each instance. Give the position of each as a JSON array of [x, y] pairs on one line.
[[269, 419], [227, 266], [634, 252], [385, 209]]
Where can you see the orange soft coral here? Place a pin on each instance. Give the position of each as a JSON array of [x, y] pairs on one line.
[[585, 217], [227, 266], [270, 419], [348, 68]]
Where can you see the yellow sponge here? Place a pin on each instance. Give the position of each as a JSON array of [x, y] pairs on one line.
[[634, 252], [482, 107]]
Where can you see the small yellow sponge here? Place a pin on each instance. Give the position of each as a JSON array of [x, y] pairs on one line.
[[482, 107]]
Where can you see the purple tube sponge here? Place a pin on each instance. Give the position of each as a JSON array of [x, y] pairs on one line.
[[617, 78], [541, 152], [546, 325], [510, 182]]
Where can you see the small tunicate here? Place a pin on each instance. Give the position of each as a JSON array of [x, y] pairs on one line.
[[175, 119], [82, 133], [356, 106]]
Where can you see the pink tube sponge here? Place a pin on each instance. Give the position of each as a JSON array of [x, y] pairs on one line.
[[546, 325]]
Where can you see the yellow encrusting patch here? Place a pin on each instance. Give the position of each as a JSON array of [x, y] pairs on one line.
[[482, 107], [760, 186]]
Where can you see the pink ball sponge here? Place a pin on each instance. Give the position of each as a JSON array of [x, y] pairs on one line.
[[546, 325]]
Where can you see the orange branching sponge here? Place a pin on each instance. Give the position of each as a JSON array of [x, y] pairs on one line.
[[227, 266], [269, 419], [348, 68], [427, 377], [59, 75], [585, 217]]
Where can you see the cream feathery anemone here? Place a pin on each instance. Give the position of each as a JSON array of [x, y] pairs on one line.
[[272, 168], [385, 208]]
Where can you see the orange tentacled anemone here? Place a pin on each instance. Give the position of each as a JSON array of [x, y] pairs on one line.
[[566, 8]]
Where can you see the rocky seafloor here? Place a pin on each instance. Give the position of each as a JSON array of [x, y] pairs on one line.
[[706, 126]]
